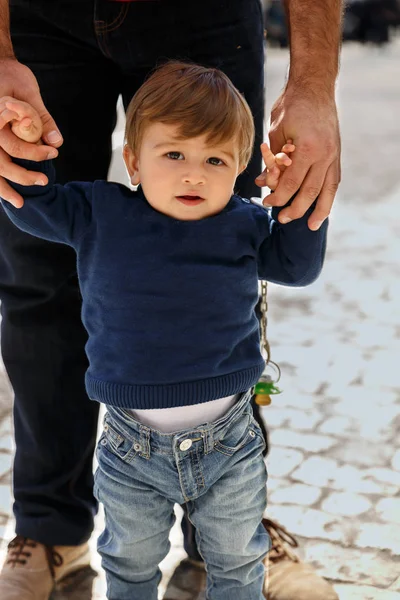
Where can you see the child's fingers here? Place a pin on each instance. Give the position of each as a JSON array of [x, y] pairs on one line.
[[272, 177], [282, 160], [288, 148], [25, 111], [26, 123], [268, 156]]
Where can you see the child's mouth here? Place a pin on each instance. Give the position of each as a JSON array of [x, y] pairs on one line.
[[190, 200]]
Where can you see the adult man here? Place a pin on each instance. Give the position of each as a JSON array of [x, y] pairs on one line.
[[88, 53]]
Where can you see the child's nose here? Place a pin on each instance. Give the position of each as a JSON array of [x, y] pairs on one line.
[[194, 176]]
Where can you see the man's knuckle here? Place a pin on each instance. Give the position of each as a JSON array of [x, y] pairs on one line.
[[323, 213], [14, 149], [291, 184], [332, 188], [311, 192]]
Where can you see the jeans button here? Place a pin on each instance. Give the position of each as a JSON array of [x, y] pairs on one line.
[[185, 445]]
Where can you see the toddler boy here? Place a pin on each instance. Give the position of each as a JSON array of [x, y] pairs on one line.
[[169, 279]]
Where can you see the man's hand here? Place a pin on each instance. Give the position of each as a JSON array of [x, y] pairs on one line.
[[18, 81], [309, 118]]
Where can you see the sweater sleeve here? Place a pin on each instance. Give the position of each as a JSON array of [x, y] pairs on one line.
[[58, 213], [291, 254]]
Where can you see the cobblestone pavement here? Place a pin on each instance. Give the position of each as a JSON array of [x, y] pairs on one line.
[[334, 466]]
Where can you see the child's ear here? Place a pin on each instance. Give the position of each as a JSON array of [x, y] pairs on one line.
[[132, 165]]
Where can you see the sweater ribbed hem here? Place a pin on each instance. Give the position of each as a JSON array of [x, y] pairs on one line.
[[173, 394]]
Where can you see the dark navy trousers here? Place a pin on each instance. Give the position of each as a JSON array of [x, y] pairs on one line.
[[85, 54]]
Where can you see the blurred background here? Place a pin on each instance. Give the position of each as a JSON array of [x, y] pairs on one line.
[[334, 467], [366, 21]]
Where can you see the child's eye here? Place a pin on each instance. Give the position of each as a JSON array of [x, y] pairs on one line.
[[215, 161], [175, 155]]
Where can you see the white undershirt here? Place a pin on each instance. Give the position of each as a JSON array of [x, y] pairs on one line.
[[168, 420]]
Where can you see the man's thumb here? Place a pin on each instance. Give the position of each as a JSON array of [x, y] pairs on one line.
[[51, 134]]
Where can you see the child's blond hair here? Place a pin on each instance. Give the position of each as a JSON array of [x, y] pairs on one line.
[[199, 100]]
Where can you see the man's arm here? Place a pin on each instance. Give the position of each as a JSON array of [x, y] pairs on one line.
[[306, 110], [6, 49], [18, 81], [315, 28]]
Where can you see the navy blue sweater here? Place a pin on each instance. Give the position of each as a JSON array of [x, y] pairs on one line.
[[169, 305]]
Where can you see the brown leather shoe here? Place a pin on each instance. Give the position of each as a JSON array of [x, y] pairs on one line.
[[188, 581], [31, 570], [287, 577]]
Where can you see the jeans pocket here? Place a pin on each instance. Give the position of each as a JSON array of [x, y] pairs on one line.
[[236, 436], [118, 443], [256, 428]]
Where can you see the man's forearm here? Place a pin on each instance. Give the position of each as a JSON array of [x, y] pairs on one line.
[[6, 49], [315, 30]]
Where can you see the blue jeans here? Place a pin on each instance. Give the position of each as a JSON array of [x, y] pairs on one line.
[[85, 53], [217, 470]]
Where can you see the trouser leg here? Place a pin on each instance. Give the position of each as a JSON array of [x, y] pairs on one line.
[[138, 517], [230, 535], [42, 335]]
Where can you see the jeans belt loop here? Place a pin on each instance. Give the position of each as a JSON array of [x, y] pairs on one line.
[[208, 436], [145, 442]]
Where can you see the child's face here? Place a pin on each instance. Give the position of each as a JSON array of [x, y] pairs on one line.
[[184, 179]]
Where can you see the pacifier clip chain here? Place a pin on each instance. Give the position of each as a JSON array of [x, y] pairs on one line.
[[266, 385]]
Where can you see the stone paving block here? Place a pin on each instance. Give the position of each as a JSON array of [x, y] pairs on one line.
[[5, 394], [338, 426], [378, 535], [316, 471], [5, 463], [385, 363], [291, 418], [362, 453], [358, 592], [282, 461], [374, 334], [395, 462], [5, 500], [389, 510], [395, 587], [313, 524], [346, 363], [353, 479], [305, 441], [276, 483], [350, 564], [304, 495], [273, 416], [304, 421], [384, 475], [7, 441], [364, 403], [5, 426], [346, 504]]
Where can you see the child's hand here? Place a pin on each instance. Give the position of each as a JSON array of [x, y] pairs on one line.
[[23, 119], [276, 164]]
